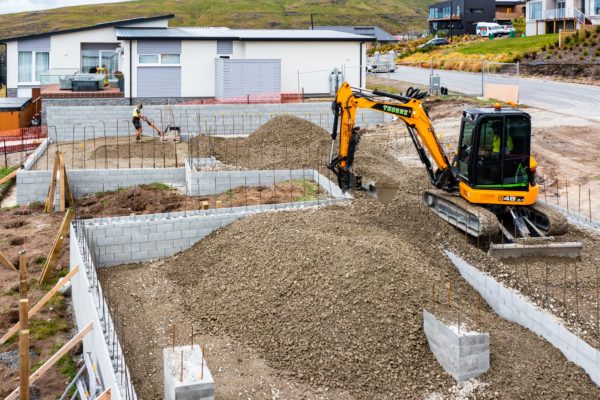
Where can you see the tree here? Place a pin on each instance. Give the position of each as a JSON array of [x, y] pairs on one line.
[[519, 25]]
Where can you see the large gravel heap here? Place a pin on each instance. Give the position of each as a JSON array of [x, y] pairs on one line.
[[333, 298]]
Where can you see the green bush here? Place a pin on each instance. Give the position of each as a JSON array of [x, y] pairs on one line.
[[560, 56], [597, 52], [581, 58], [598, 29], [519, 25], [586, 53]]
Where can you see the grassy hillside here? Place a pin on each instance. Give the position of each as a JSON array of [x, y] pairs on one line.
[[392, 15], [459, 55]]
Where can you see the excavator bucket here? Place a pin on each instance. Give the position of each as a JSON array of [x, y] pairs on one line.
[[382, 192], [550, 249]]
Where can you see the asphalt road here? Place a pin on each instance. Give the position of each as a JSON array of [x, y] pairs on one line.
[[560, 97]]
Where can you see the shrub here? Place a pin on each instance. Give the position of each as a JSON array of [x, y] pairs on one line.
[[586, 53], [543, 48], [519, 25], [598, 29], [588, 34], [560, 56], [548, 57], [581, 58], [597, 52], [551, 46]]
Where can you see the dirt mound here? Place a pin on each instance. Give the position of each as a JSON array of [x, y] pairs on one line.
[[283, 142], [333, 298]]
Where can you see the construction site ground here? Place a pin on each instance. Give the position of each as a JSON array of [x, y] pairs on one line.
[[327, 303], [323, 303]]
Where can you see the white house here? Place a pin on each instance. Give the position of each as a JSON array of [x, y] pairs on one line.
[[157, 61], [549, 16]]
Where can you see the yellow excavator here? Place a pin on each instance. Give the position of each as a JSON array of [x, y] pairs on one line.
[[488, 189]]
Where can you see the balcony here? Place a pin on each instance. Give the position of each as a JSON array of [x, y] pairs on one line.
[[560, 14], [444, 17], [504, 16], [70, 83]]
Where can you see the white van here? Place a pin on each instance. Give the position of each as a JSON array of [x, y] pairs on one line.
[[485, 28]]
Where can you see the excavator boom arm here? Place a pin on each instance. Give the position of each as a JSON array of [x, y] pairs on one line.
[[409, 110]]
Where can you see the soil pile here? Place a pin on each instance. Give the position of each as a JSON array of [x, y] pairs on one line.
[[333, 298], [283, 142]]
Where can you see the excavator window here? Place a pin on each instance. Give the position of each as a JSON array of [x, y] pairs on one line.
[[466, 146], [502, 159]]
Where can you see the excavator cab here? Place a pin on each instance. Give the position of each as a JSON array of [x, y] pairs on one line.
[[494, 156]]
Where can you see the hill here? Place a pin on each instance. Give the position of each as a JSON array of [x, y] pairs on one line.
[[392, 15]]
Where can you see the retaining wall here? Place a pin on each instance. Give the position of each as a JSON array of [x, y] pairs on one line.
[[33, 185], [464, 355], [101, 345], [514, 307], [223, 119]]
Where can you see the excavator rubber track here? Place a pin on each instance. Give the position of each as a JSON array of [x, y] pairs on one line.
[[547, 219], [474, 220]]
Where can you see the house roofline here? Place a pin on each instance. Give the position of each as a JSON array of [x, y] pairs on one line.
[[89, 27]]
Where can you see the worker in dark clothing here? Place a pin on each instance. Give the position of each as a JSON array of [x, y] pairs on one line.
[[137, 122]]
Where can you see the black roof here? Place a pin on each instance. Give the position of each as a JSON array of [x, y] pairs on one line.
[[476, 112], [90, 27]]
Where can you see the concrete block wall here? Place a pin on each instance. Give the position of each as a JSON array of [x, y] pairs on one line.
[[223, 119], [205, 183], [102, 346], [464, 355], [33, 185], [36, 155], [146, 237], [510, 305]]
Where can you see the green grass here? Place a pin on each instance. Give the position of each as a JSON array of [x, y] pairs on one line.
[[312, 191], [391, 15], [5, 171], [518, 45], [159, 186], [44, 329], [66, 364], [40, 260], [467, 56]]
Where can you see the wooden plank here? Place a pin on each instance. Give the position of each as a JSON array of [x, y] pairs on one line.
[[105, 395], [69, 198], [24, 328], [6, 262], [49, 206], [41, 303], [61, 182], [9, 177], [64, 228], [52, 360]]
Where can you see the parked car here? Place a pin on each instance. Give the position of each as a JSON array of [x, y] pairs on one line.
[[487, 28], [435, 42], [508, 29]]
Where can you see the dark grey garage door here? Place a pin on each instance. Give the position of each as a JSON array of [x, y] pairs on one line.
[[159, 82], [236, 78]]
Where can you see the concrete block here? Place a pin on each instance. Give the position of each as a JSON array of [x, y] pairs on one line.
[[194, 382], [464, 355]]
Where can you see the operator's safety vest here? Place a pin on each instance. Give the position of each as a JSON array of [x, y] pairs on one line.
[[136, 113], [496, 144]]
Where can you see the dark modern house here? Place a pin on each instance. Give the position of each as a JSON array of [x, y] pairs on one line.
[[379, 34], [459, 17]]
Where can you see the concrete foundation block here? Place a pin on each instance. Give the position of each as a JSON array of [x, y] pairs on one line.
[[462, 354], [193, 382]]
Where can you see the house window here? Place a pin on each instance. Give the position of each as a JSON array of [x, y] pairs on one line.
[[535, 10], [172, 59], [596, 7], [32, 65], [159, 59]]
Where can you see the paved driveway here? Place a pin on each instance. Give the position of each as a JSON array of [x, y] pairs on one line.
[[566, 98]]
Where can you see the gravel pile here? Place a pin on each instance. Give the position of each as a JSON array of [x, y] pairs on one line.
[[332, 298], [283, 142]]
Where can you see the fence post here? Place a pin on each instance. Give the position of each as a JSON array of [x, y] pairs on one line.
[[482, 76], [518, 81]]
